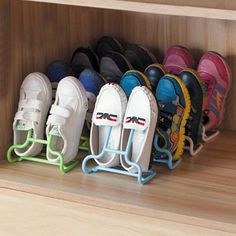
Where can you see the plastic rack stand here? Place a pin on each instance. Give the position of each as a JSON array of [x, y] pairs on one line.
[[142, 177], [42, 157], [167, 159]]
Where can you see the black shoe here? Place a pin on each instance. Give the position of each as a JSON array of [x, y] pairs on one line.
[[154, 73], [113, 65], [84, 58], [139, 57], [192, 81], [107, 44]]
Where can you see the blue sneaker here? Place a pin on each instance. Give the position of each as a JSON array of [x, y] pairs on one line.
[[174, 103], [132, 79], [57, 70], [92, 82]]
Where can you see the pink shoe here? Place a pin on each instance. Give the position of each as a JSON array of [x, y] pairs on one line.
[[177, 58], [215, 74]]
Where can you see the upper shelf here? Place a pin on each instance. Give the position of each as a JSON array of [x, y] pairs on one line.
[[213, 9]]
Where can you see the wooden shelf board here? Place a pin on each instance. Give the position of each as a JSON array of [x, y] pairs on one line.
[[60, 217], [217, 9], [201, 192]]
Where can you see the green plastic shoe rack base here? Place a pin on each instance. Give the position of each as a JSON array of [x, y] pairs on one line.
[[42, 157]]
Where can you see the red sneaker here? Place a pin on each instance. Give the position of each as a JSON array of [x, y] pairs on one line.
[[177, 58], [216, 76]]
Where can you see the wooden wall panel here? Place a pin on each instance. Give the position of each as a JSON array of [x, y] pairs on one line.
[[4, 73], [43, 32]]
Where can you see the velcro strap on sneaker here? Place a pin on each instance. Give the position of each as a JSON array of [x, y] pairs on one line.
[[60, 111], [55, 120], [137, 123], [31, 104], [28, 116], [106, 119]]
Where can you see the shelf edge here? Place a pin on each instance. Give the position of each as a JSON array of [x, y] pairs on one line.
[[153, 8]]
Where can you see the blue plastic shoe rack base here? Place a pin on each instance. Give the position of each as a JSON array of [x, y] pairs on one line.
[[168, 160], [142, 177]]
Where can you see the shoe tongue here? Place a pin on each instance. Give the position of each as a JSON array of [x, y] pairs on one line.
[[55, 131]]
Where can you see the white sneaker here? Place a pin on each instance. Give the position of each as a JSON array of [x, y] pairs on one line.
[[35, 100], [66, 120], [109, 112], [141, 115]]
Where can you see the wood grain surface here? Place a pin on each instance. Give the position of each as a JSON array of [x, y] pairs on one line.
[[218, 9], [36, 215], [200, 193]]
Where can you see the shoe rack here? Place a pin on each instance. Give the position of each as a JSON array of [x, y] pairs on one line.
[[197, 197]]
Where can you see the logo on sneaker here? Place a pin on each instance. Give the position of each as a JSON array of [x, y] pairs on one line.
[[23, 125], [106, 116], [55, 131], [136, 120]]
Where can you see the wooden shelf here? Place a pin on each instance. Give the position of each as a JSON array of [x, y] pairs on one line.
[[212, 9], [200, 193]]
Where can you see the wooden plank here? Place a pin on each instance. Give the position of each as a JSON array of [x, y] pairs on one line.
[[201, 192], [5, 74], [46, 216], [159, 7]]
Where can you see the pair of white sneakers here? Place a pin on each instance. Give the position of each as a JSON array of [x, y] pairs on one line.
[[139, 113], [64, 124]]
